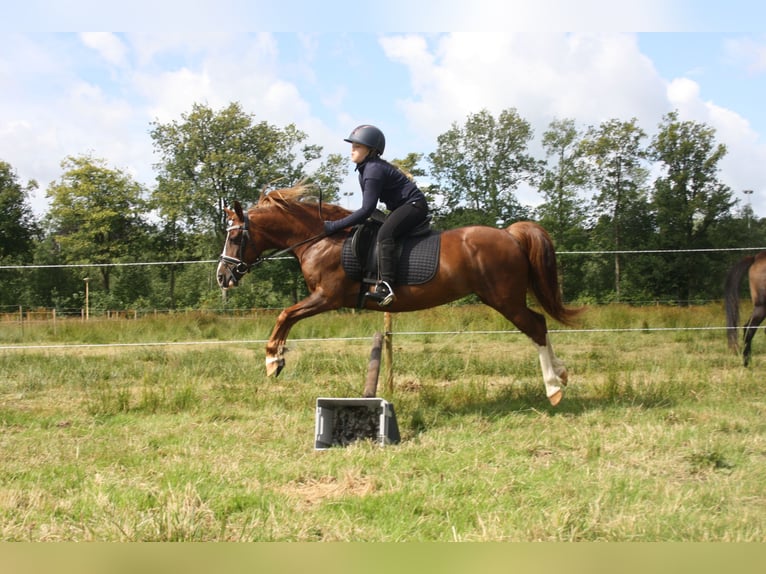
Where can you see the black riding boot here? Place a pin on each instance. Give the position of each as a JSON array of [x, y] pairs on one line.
[[384, 293]]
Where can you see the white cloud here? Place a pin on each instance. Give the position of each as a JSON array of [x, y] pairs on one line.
[[168, 94], [741, 168], [748, 53], [588, 78], [108, 45], [683, 92], [55, 110]]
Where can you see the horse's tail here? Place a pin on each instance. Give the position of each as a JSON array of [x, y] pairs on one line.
[[544, 281], [731, 298]]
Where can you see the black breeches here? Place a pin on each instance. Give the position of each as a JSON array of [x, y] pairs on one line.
[[401, 220]]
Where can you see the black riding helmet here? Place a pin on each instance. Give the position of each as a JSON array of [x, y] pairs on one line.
[[370, 136]]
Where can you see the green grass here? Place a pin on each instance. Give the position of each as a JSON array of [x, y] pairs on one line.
[[660, 437]]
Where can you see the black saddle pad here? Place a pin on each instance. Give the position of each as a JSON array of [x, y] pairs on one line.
[[418, 260]]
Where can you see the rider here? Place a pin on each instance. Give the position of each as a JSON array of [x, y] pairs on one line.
[[381, 181]]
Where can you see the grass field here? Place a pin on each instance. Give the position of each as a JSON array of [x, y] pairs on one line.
[[107, 435]]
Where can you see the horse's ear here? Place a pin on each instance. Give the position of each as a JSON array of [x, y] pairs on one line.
[[262, 196], [238, 210]]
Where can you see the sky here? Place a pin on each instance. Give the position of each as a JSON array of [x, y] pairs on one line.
[[412, 68]]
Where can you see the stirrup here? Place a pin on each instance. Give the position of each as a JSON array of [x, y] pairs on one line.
[[383, 294]]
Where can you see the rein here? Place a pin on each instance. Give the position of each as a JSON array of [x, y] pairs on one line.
[[238, 266]]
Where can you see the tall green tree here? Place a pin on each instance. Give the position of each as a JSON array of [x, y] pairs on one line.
[[479, 166], [19, 233], [615, 158], [18, 227], [563, 212], [211, 158], [96, 215], [690, 200], [207, 160]]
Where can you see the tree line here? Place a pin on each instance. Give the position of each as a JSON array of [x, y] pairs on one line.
[[653, 208]]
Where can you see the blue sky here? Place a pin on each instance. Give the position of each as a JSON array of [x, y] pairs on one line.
[[328, 66]]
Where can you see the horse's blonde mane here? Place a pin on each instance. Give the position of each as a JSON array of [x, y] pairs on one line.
[[281, 197], [300, 194]]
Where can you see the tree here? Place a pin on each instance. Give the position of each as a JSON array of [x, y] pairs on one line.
[[96, 214], [18, 234], [18, 227], [689, 199], [478, 168], [209, 159], [614, 158], [563, 212]]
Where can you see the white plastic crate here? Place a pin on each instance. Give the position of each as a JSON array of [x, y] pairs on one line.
[[339, 422]]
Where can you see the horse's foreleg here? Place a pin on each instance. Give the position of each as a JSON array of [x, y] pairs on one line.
[[275, 362], [275, 347]]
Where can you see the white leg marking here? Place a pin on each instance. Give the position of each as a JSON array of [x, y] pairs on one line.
[[554, 371]]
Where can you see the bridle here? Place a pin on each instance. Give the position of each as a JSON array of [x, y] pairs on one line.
[[237, 266]]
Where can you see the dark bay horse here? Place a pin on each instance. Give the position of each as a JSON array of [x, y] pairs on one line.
[[499, 265], [755, 266]]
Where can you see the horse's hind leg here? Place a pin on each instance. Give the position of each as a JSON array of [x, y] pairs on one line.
[[555, 374], [533, 325], [751, 327]]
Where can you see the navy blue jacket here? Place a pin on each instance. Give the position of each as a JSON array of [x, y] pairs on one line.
[[380, 181]]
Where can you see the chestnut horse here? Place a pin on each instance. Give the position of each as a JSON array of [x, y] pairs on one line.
[[499, 265], [755, 266]]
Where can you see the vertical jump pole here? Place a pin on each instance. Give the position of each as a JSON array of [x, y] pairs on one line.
[[389, 335], [373, 367]]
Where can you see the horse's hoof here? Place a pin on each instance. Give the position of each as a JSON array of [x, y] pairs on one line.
[[274, 366], [556, 397]]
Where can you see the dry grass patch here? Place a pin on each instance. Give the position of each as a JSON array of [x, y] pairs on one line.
[[309, 493]]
